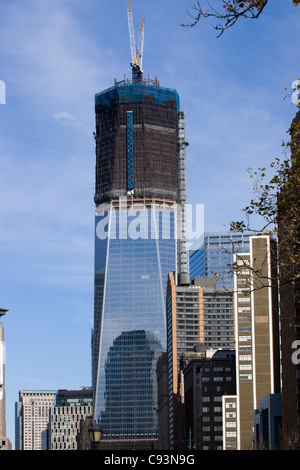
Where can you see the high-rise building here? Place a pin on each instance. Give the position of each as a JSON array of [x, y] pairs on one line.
[[5, 443], [197, 313], [71, 406], [212, 255], [32, 419], [290, 309], [257, 332], [206, 380], [267, 429], [162, 402], [139, 197]]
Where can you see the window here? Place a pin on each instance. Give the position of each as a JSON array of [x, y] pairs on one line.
[[245, 357], [245, 348], [244, 319], [245, 366], [244, 300], [217, 409], [244, 338], [230, 414], [231, 424], [244, 329], [230, 404], [245, 376]]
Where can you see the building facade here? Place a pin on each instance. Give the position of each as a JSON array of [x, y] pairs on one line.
[[290, 309], [139, 156], [5, 443], [230, 422], [257, 332], [162, 402], [267, 427], [206, 381], [212, 255], [71, 406], [197, 313], [32, 419]]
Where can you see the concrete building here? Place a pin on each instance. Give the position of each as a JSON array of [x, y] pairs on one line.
[[257, 332], [290, 313], [206, 380], [197, 313], [230, 422], [162, 402], [32, 419], [5, 443], [71, 406], [140, 209]]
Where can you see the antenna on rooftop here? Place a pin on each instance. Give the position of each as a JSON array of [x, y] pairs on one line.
[[136, 53]]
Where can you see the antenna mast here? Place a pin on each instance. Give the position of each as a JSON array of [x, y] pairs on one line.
[[136, 54]]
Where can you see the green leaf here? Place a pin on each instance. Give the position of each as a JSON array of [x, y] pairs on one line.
[[296, 2]]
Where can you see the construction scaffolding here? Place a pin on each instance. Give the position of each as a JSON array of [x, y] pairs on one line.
[[133, 92], [139, 154]]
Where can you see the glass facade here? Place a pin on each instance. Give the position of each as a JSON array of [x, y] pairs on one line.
[[134, 251], [213, 253]]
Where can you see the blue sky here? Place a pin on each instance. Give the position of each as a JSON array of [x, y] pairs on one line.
[[54, 57]]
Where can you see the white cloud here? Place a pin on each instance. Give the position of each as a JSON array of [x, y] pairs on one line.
[[66, 118]]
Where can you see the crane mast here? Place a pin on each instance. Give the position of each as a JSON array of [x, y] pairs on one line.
[[136, 53]]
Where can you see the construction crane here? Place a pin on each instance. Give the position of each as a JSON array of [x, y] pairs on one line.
[[136, 53]]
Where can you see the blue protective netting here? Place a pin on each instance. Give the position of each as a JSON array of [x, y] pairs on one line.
[[133, 93]]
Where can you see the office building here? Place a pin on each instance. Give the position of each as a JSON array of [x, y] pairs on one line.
[[230, 422], [5, 443], [140, 160], [206, 380], [267, 429], [212, 255], [162, 402], [257, 331], [290, 316], [71, 406], [197, 313], [32, 419]]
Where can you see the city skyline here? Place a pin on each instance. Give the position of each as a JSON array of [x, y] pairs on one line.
[[232, 90]]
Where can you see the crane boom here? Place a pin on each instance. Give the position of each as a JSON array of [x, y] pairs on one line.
[[131, 33], [136, 53], [141, 45]]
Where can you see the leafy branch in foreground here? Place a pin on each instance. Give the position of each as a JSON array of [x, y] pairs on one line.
[[277, 201], [228, 12]]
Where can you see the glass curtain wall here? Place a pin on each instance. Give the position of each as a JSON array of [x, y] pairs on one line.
[[135, 250]]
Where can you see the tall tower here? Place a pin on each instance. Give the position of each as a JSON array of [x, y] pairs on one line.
[[33, 411], [139, 204], [5, 443], [257, 332]]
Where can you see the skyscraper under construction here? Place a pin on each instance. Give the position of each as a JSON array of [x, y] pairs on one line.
[[140, 237]]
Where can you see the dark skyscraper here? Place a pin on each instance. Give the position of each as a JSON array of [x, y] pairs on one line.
[[139, 239]]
